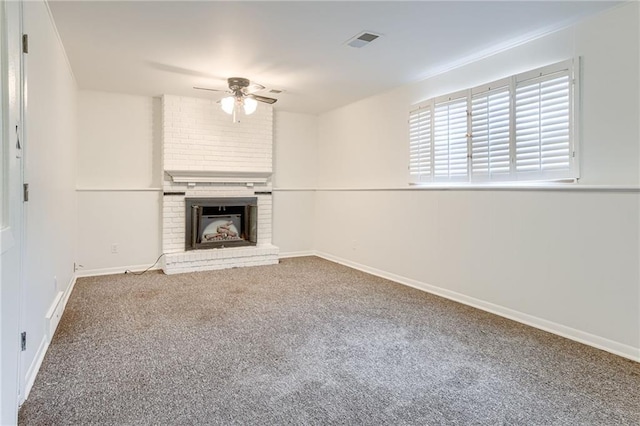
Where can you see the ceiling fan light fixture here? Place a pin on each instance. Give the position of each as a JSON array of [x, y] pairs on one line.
[[242, 97], [228, 104], [250, 105]]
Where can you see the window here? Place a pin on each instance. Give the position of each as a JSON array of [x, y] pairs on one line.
[[450, 140], [543, 126], [515, 129], [490, 132], [420, 144]]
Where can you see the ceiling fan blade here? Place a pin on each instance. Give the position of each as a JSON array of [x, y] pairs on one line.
[[253, 88], [264, 99], [211, 90]]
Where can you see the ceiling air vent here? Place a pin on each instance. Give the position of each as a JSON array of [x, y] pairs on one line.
[[362, 39]]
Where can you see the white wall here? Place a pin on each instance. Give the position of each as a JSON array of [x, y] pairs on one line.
[[50, 170], [117, 146], [567, 261], [295, 173], [129, 219], [295, 150], [119, 181]]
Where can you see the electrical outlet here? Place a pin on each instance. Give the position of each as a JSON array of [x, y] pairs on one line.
[[114, 248]]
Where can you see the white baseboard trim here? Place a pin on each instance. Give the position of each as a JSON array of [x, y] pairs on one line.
[[116, 270], [52, 319], [32, 372], [54, 314], [67, 292], [57, 308], [297, 254], [589, 339]]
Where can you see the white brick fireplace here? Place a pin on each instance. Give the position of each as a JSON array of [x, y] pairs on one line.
[[206, 154]]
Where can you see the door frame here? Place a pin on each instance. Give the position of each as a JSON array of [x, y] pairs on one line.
[[12, 222]]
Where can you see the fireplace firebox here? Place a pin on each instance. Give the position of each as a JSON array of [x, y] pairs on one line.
[[221, 222]]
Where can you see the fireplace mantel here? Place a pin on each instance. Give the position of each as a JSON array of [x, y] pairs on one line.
[[201, 176]]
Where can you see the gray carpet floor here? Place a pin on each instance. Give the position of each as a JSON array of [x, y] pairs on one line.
[[311, 342]]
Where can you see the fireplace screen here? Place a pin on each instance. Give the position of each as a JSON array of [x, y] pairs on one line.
[[220, 222]]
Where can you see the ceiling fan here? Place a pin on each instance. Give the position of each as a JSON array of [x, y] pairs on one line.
[[242, 95]]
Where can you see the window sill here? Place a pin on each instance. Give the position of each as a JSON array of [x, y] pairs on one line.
[[524, 186]]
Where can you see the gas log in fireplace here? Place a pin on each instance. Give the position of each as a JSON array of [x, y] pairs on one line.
[[221, 222]]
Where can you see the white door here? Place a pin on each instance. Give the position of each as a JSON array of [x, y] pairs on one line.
[[11, 211]]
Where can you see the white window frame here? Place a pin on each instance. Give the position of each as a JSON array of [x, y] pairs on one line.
[[570, 67]]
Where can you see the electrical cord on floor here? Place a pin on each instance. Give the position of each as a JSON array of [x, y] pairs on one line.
[[128, 271]]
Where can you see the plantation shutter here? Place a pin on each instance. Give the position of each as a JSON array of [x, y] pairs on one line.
[[450, 140], [420, 144], [543, 127], [490, 133], [517, 128]]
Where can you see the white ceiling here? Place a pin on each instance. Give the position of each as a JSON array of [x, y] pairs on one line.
[[155, 47]]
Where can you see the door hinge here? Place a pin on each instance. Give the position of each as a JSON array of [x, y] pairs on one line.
[[25, 43], [25, 192], [23, 341], [18, 145]]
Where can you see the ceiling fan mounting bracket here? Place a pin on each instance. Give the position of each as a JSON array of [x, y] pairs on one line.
[[237, 83]]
